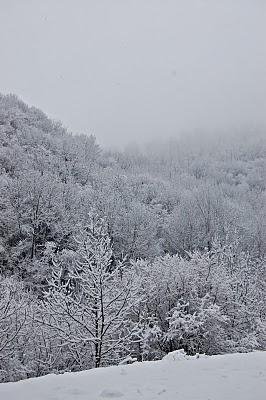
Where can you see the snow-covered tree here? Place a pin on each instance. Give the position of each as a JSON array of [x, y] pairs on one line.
[[13, 329], [198, 330], [88, 302]]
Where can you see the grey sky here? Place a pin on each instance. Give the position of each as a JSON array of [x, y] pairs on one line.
[[130, 70]]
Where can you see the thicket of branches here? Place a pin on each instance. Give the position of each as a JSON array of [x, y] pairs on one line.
[[105, 255]]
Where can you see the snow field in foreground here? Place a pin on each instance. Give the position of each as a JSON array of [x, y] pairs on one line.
[[226, 377]]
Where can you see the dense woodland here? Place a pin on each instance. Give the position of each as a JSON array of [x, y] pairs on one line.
[[107, 255]]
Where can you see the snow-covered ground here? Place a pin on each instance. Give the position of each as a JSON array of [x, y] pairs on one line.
[[229, 377]]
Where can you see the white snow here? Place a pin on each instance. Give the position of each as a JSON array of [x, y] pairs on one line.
[[226, 377]]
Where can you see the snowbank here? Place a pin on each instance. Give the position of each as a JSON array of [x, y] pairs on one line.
[[228, 377]]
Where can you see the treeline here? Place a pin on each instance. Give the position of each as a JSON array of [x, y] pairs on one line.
[[109, 254]]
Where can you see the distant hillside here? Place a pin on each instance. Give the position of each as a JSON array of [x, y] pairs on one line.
[[173, 198]]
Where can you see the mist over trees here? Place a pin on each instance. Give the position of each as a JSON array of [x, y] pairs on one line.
[[112, 254]]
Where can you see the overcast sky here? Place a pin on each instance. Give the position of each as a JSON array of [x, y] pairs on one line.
[[131, 70]]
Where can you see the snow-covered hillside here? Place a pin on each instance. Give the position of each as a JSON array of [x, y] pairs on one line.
[[228, 377]]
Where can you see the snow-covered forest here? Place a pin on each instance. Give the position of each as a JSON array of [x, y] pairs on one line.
[[112, 255]]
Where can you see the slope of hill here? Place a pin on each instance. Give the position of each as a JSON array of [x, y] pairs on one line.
[[227, 377], [186, 218]]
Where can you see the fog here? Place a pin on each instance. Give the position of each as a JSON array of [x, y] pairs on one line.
[[135, 70]]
